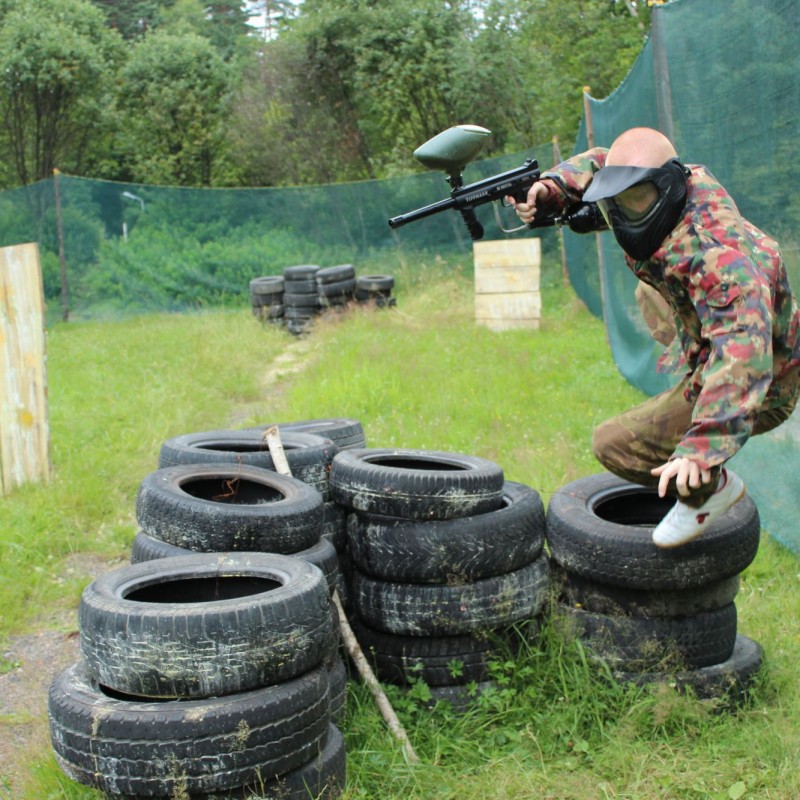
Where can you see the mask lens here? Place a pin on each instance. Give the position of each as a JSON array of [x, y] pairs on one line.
[[603, 205], [636, 202]]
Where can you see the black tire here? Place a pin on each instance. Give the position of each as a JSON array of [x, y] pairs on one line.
[[220, 507], [446, 551], [730, 680], [440, 610], [322, 554], [341, 272], [299, 314], [300, 272], [375, 283], [580, 592], [300, 300], [337, 289], [306, 286], [308, 455], [436, 660], [631, 644], [204, 624], [344, 432], [127, 746], [267, 285], [323, 778], [600, 527], [337, 678], [334, 525], [416, 484]]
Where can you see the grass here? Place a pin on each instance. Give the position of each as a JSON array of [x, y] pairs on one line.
[[422, 376]]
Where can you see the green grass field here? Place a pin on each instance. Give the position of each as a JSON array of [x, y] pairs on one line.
[[420, 376]]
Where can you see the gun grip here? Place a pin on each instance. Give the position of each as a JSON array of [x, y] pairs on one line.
[[473, 223]]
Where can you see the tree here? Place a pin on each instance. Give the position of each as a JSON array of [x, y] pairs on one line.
[[173, 103], [57, 62], [132, 18]]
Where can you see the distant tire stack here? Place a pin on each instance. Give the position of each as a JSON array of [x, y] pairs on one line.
[[266, 298], [201, 674], [300, 297], [336, 286], [375, 289], [652, 615], [446, 556]]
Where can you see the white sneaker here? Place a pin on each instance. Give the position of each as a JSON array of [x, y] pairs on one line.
[[684, 523]]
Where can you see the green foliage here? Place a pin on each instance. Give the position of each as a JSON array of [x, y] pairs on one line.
[[554, 725], [57, 60], [172, 107]]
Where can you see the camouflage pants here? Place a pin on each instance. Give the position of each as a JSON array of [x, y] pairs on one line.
[[633, 443]]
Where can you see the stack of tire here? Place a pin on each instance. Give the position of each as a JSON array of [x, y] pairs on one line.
[[300, 297], [376, 290], [653, 615], [266, 298], [201, 675], [335, 286], [447, 555]]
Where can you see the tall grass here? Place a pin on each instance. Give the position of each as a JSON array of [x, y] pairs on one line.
[[422, 375]]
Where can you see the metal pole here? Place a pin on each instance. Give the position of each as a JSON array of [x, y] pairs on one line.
[[587, 113], [564, 267], [61, 260]]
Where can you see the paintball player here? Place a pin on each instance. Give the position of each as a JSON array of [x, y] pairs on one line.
[[715, 289]]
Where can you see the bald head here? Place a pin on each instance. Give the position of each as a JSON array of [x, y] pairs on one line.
[[640, 147]]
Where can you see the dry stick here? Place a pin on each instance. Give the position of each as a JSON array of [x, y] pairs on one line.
[[368, 676], [273, 438]]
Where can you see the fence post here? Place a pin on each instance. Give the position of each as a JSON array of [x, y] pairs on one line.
[[61, 260], [564, 265], [587, 113], [661, 74], [24, 430]]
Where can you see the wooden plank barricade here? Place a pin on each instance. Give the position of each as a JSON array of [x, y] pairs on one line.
[[24, 430], [507, 292]]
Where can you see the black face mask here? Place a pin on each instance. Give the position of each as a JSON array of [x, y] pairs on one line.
[[640, 228]]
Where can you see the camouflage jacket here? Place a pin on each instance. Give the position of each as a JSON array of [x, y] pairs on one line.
[[736, 322]]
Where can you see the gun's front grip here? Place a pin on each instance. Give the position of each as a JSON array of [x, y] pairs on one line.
[[472, 222]]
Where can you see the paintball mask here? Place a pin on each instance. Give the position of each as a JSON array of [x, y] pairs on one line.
[[640, 204]]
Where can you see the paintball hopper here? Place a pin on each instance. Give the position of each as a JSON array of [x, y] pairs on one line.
[[453, 149]]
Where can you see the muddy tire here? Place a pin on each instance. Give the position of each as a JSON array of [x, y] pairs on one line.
[[436, 660], [219, 508], [309, 456], [205, 624], [344, 432], [579, 592], [321, 555], [444, 610], [416, 484], [601, 527], [128, 746], [446, 551], [640, 644], [730, 680]]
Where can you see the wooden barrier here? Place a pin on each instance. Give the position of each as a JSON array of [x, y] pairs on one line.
[[507, 284], [24, 430]]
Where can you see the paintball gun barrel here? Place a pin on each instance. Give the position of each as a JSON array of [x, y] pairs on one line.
[[452, 150]]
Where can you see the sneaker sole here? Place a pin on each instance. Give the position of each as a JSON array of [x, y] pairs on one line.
[[687, 539]]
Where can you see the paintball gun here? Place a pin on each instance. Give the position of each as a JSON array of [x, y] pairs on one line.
[[452, 150]]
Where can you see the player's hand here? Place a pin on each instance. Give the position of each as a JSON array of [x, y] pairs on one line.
[[688, 474], [537, 194]]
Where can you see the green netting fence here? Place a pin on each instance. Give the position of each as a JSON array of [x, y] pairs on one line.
[[719, 77], [129, 248]]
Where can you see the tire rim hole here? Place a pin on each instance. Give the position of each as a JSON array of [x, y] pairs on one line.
[[232, 490], [636, 509], [202, 589]]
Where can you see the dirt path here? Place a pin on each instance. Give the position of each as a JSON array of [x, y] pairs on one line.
[[40, 655]]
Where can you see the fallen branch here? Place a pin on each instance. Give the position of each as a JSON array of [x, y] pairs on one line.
[[272, 436]]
